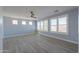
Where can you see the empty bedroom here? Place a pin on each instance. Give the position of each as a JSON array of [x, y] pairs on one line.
[[39, 29]]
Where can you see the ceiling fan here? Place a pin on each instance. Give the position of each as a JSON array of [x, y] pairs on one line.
[[32, 15]]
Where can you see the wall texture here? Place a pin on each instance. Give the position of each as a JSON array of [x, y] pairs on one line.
[[13, 30], [72, 36]]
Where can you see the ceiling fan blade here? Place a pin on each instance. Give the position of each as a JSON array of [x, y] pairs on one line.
[[33, 16]]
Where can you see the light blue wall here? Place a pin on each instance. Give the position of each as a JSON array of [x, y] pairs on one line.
[[10, 29], [78, 23], [1, 33], [72, 27], [78, 29]]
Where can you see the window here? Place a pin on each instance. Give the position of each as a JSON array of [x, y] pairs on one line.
[[62, 24], [38, 26], [15, 22], [23, 22], [41, 26], [30, 23], [45, 25], [59, 24], [1, 22], [53, 25]]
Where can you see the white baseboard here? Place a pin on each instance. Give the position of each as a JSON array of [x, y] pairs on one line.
[[59, 38], [17, 35], [42, 34]]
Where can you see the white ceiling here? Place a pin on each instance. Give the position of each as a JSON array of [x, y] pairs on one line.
[[40, 11]]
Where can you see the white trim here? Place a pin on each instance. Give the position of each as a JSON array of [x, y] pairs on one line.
[[17, 35], [59, 38]]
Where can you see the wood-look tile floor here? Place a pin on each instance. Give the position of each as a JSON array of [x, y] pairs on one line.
[[33, 43]]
